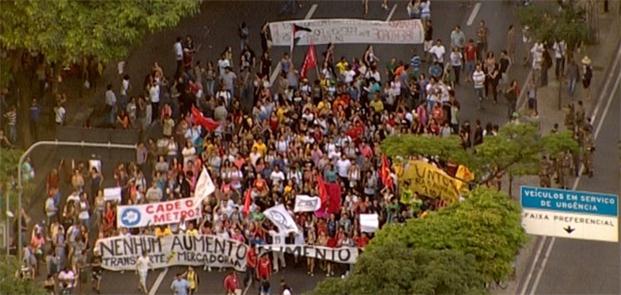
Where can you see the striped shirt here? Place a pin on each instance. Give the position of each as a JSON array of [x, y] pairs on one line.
[[11, 118]]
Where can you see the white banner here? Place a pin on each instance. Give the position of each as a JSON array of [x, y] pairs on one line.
[[344, 31], [279, 216], [158, 213], [339, 255], [112, 194], [121, 253], [369, 223], [204, 185], [304, 203]]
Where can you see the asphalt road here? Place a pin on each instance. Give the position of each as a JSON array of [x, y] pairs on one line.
[[216, 27]]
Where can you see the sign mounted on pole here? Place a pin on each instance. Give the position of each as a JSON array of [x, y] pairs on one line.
[[570, 214]]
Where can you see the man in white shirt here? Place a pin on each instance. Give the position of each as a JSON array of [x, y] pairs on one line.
[[342, 168], [560, 49], [110, 104], [478, 77], [277, 176], [66, 278], [154, 97], [278, 239], [59, 114], [437, 53], [178, 48], [143, 264]]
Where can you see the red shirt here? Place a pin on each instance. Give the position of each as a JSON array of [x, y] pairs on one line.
[[265, 268], [361, 241], [230, 283], [251, 258], [470, 52], [332, 242]]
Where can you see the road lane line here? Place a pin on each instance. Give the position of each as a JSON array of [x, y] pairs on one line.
[[520, 101], [610, 96], [158, 282], [534, 264], [311, 11], [278, 67], [474, 13], [392, 11]]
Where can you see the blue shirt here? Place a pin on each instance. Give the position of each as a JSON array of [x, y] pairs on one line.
[[180, 287]]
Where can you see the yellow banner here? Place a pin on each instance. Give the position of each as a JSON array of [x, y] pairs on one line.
[[428, 180]]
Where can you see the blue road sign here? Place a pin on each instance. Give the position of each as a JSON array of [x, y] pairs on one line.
[[569, 201]]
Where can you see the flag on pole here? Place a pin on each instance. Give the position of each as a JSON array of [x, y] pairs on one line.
[[207, 123], [385, 173], [296, 33], [204, 185], [247, 201], [310, 61], [280, 217], [322, 190]]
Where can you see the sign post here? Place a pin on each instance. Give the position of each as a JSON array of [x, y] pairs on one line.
[[570, 214]]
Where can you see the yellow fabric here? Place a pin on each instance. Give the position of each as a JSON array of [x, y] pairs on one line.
[[428, 180], [192, 279], [463, 173]]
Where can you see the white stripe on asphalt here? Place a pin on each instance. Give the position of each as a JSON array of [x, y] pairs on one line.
[[392, 11], [278, 67], [610, 96], [158, 282], [474, 13], [532, 266]]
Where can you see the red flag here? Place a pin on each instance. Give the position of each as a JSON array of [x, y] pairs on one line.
[[385, 173], [323, 191], [334, 193], [207, 123], [310, 60], [247, 201]]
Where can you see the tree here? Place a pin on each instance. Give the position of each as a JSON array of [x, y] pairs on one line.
[[456, 250], [10, 284], [397, 269], [516, 150], [53, 34], [9, 159], [547, 24]]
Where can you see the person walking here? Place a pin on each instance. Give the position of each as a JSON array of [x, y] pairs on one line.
[[587, 75], [572, 73], [231, 284], [143, 264], [180, 286], [511, 94], [478, 77], [560, 50], [35, 115], [456, 62]]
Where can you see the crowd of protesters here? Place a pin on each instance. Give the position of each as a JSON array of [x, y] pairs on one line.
[[272, 139]]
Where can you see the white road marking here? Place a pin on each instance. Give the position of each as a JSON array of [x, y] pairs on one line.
[[311, 11], [577, 181], [474, 13], [392, 11], [278, 67], [158, 282], [534, 264]]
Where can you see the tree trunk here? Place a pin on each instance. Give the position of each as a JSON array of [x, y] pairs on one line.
[[510, 184]]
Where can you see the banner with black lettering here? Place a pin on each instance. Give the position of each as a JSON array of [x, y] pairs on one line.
[[121, 253], [305, 203], [346, 255]]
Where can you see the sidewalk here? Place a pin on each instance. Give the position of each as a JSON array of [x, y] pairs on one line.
[[547, 99]]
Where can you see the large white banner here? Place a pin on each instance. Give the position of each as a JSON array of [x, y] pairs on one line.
[[304, 203], [158, 213], [120, 253], [280, 217], [166, 212], [343, 31], [346, 255]]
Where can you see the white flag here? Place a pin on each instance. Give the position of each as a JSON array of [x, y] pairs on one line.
[[281, 218], [204, 185], [369, 222], [304, 203], [112, 194]]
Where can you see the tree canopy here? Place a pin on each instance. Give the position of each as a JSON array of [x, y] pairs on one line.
[[10, 284], [548, 24], [455, 250], [67, 31]]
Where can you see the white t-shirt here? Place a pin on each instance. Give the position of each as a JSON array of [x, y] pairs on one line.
[[479, 79], [68, 277], [142, 264], [348, 76], [277, 176], [286, 292], [154, 93], [438, 52], [59, 114], [178, 50], [342, 167]]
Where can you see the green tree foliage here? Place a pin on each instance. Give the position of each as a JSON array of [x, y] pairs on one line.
[[396, 269], [516, 149], [66, 31], [10, 284], [547, 24], [455, 250], [9, 158]]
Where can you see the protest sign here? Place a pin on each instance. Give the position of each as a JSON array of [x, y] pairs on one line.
[[428, 180], [279, 216], [304, 203], [158, 213], [120, 253], [369, 222], [112, 194], [352, 31], [339, 255]]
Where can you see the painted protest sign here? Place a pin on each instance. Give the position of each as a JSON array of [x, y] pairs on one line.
[[120, 253], [304, 203], [352, 31], [158, 213], [347, 255], [428, 180], [280, 217], [112, 194]]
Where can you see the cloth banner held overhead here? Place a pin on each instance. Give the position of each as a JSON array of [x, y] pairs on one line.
[[281, 218], [349, 31], [304, 203], [428, 180], [121, 252], [112, 194], [204, 185], [369, 223], [346, 255]]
